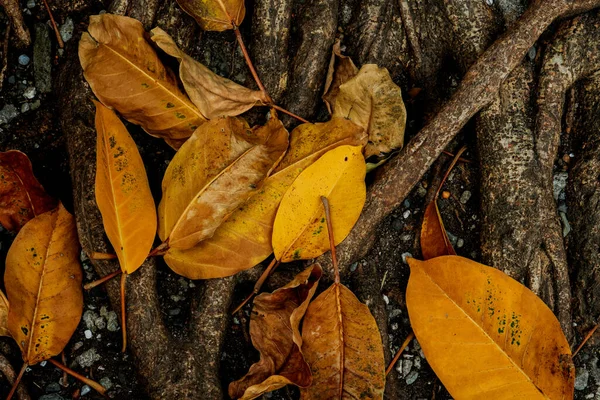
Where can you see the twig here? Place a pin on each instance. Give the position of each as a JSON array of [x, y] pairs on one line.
[[123, 310], [102, 256], [460, 159], [258, 284], [100, 281], [399, 352], [61, 44], [452, 164], [283, 110], [91, 383], [586, 338], [238, 36], [17, 381]]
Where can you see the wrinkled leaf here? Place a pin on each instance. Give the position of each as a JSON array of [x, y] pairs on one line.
[[3, 315], [126, 74], [214, 95], [43, 284], [300, 229], [213, 173], [372, 100], [122, 192], [21, 195], [434, 239], [342, 345], [341, 69], [215, 15], [485, 335], [244, 239], [274, 328]]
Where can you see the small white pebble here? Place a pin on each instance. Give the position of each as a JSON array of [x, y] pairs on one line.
[[88, 334], [43, 363], [85, 390], [386, 299], [406, 214]]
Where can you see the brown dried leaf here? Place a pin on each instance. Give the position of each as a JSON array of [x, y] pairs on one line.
[[274, 330], [21, 195], [214, 172], [214, 95], [126, 74], [341, 69], [215, 15], [372, 100], [434, 239], [244, 239], [4, 315], [342, 345]]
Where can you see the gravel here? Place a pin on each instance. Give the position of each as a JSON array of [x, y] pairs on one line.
[[66, 30], [30, 92], [412, 377], [88, 358], [8, 113], [465, 196], [581, 379]]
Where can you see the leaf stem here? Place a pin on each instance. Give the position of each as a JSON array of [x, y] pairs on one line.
[[102, 256], [160, 250], [100, 281], [399, 353], [283, 110], [98, 387], [331, 239], [587, 337], [13, 389], [61, 44], [240, 40], [259, 283], [123, 309], [454, 161]]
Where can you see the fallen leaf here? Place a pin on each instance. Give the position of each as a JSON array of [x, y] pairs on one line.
[[21, 195], [372, 100], [341, 69], [274, 329], [485, 335], [43, 284], [300, 231], [126, 74], [4, 315], [215, 15], [434, 239], [214, 95], [342, 345], [244, 239], [122, 192], [213, 173]]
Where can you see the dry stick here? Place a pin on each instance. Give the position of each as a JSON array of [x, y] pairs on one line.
[[65, 377], [399, 353], [586, 338], [100, 281], [460, 159], [19, 377], [274, 264], [477, 90], [283, 110], [91, 383], [452, 164], [61, 44], [123, 316], [336, 270], [102, 256]]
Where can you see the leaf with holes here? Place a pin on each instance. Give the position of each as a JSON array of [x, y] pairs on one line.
[[122, 192], [213, 173], [244, 239], [21, 195], [300, 230], [43, 284], [274, 329], [126, 74], [485, 335], [215, 15]]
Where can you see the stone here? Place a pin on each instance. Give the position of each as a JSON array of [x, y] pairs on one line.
[[8, 113], [85, 389], [581, 379], [53, 387], [112, 323], [42, 58], [106, 383], [25, 107], [29, 93], [24, 59], [52, 396], [88, 358], [412, 377], [405, 256], [559, 184], [66, 30], [465, 196], [100, 323], [88, 334], [30, 3], [89, 317]]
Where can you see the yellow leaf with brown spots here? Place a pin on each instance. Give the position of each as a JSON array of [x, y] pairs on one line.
[[126, 74], [215, 15], [43, 284], [485, 335], [244, 239], [122, 192], [213, 173]]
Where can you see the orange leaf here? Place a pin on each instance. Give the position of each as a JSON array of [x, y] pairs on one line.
[[215, 15], [434, 239], [43, 284], [274, 330], [485, 335], [21, 195]]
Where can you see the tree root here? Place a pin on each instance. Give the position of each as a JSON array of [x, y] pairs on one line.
[[13, 11], [9, 372]]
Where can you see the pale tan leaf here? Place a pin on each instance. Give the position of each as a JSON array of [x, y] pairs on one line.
[[341, 69]]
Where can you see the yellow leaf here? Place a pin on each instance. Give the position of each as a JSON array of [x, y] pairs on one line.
[[213, 173], [342, 345], [244, 239], [214, 95], [126, 74], [485, 335], [3, 315], [300, 229], [122, 192], [215, 15], [434, 239], [43, 284], [372, 100]]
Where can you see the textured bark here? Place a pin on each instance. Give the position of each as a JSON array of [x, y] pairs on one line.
[[12, 9]]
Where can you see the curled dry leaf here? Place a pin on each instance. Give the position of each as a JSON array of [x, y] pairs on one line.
[[434, 239], [341, 69], [484, 334], [300, 229], [215, 15], [274, 328], [43, 284], [126, 74], [3, 315], [244, 239], [372, 100], [21, 195], [214, 95], [122, 192], [342, 345], [213, 173]]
